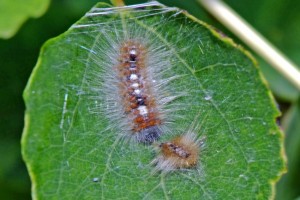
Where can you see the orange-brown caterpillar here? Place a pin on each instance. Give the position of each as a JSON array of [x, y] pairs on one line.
[[136, 91], [131, 83]]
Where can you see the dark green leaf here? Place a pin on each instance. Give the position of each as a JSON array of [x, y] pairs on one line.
[[70, 153]]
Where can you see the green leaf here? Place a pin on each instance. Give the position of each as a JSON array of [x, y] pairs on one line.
[[71, 153], [289, 184], [14, 13]]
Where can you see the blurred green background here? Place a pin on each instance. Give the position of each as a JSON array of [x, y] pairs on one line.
[[277, 20]]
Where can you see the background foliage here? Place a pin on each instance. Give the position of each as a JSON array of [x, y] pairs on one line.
[[278, 20], [14, 13]]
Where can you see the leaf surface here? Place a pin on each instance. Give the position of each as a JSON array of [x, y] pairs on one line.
[[71, 153]]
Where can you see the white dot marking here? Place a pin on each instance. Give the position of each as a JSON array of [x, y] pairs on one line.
[[133, 77], [137, 91], [135, 85], [133, 52], [143, 110]]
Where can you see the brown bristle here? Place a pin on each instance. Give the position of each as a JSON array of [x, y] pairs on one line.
[[181, 152]]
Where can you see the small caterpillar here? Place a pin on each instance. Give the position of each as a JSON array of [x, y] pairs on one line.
[[182, 152]]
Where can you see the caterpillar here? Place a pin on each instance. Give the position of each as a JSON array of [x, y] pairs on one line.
[[179, 152], [131, 80]]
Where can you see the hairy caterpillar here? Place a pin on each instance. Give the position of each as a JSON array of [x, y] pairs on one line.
[[132, 80], [179, 153]]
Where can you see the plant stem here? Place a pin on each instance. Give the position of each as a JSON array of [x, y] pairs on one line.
[[253, 39]]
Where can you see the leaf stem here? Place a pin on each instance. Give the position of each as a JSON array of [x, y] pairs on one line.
[[253, 39]]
